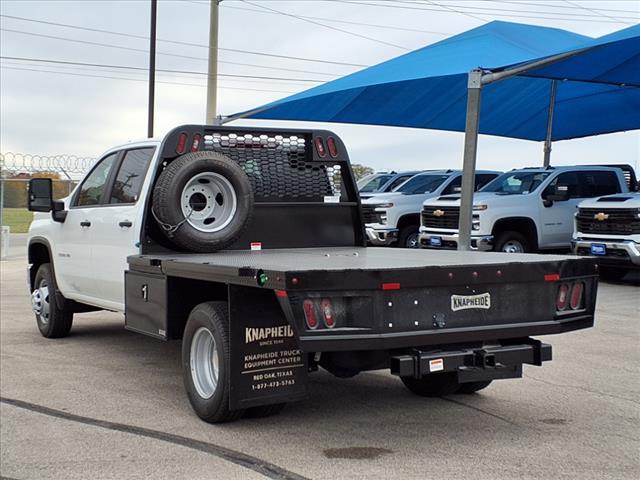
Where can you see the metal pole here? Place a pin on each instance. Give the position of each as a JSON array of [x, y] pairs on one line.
[[152, 66], [212, 78], [474, 89], [547, 142]]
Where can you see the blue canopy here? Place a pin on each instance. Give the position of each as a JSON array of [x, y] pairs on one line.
[[598, 89]]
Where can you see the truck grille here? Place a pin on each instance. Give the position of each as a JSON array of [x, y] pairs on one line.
[[614, 221], [441, 217], [369, 214]]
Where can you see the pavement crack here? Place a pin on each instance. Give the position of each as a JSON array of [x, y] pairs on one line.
[[457, 402], [262, 467], [584, 389]]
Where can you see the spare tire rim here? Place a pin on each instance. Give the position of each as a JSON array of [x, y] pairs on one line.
[[204, 362], [40, 302], [513, 246], [208, 202]]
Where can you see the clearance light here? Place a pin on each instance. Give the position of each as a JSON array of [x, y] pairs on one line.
[[322, 152], [333, 148], [182, 143], [195, 144], [563, 297], [575, 302], [310, 314], [327, 313]]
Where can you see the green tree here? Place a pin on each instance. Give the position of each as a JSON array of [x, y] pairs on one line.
[[360, 171]]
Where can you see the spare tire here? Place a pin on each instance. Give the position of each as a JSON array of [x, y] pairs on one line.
[[202, 201]]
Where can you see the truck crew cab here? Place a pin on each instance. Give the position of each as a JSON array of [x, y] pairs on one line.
[[609, 228], [248, 245], [523, 210]]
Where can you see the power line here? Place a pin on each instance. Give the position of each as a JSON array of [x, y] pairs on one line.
[[455, 11], [188, 44], [326, 26], [139, 80], [591, 10], [128, 67], [519, 2]]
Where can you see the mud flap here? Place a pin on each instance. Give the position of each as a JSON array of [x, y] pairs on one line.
[[267, 365]]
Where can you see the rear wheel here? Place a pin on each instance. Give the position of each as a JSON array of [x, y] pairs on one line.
[[511, 242], [434, 385], [472, 387], [205, 362], [408, 237], [53, 317]]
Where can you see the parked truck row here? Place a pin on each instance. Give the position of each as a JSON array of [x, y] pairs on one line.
[[248, 246]]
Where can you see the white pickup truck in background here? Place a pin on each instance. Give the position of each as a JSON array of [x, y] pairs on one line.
[[523, 210], [609, 228], [394, 217]]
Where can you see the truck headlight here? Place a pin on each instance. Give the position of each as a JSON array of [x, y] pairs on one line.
[[480, 207], [384, 205]]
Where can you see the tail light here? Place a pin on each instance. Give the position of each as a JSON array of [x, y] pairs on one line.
[[182, 143], [563, 297], [322, 152], [575, 301], [332, 147], [327, 313], [195, 145], [310, 314]]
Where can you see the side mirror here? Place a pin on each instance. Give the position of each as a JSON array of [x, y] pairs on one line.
[[40, 195], [559, 194]]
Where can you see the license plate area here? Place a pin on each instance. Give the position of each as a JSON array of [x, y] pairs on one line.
[[598, 249], [435, 241]]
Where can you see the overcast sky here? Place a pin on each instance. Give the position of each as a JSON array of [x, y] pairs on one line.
[[49, 108]]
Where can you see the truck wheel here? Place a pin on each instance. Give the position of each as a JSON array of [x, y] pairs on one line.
[[264, 410], [472, 387], [612, 274], [433, 385], [511, 242], [205, 362], [408, 237], [202, 201], [54, 320]]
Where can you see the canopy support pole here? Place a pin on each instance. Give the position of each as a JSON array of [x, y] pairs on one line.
[[474, 89], [547, 142]]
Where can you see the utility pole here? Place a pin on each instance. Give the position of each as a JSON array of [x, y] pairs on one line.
[[212, 78], [152, 67]]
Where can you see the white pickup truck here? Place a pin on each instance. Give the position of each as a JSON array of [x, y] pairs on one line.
[[394, 217], [523, 210], [609, 228]]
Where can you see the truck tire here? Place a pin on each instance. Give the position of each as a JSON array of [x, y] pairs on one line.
[[408, 237], [205, 362], [202, 201], [472, 387], [54, 320], [511, 242], [433, 385], [612, 274]]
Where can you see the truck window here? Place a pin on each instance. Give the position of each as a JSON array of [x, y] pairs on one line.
[[568, 179], [397, 182], [375, 183], [597, 184], [516, 183], [454, 186], [422, 184], [92, 188], [483, 179], [131, 174]]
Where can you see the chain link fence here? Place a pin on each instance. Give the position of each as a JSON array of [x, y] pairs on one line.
[[16, 169]]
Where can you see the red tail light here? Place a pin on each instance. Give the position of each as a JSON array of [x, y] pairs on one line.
[[575, 301], [196, 142], [332, 147], [327, 313], [322, 152], [563, 297], [182, 144], [310, 314]]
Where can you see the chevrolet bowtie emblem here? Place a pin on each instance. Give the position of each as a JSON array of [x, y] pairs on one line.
[[601, 216], [438, 213]]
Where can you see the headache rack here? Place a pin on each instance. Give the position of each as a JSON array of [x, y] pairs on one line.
[[302, 182]]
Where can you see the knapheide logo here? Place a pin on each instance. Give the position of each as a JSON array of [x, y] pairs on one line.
[[463, 302], [267, 333]]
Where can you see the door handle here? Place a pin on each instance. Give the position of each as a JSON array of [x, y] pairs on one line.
[[125, 224], [85, 223]]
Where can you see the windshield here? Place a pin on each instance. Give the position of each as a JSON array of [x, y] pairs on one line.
[[516, 183], [373, 184], [421, 184]]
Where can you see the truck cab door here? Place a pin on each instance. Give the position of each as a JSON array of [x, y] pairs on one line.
[[72, 239], [556, 216], [116, 226]]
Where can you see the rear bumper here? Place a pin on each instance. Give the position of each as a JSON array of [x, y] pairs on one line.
[[381, 237], [478, 364], [450, 240], [619, 253], [340, 341]]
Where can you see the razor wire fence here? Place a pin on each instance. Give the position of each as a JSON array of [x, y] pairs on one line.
[[16, 169]]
